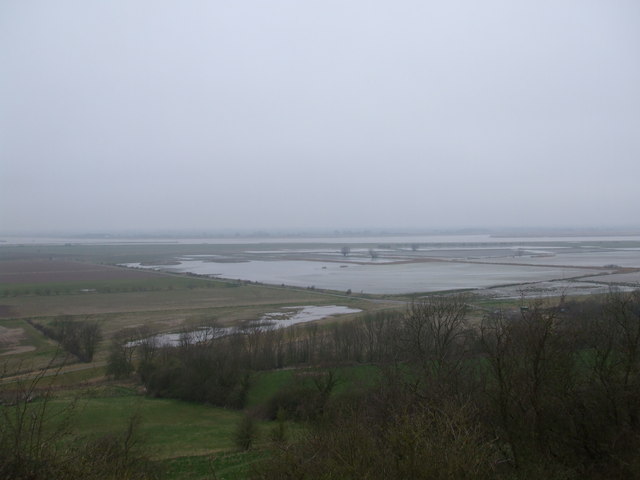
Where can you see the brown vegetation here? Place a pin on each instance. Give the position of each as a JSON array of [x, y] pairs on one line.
[[544, 393], [44, 271]]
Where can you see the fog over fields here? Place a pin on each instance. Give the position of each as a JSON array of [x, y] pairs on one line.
[[160, 115]]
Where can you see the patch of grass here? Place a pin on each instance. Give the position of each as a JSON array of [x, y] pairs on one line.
[[265, 385], [226, 466], [154, 301], [30, 336], [169, 428], [75, 377], [59, 379], [37, 354], [356, 376]]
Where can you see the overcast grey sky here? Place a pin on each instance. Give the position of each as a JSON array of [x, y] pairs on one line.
[[141, 114]]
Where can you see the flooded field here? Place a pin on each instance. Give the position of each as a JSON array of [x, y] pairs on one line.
[[552, 289], [632, 278], [393, 278], [287, 317], [409, 265]]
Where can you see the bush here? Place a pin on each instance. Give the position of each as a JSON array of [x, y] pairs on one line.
[[119, 362], [305, 398], [418, 443], [279, 433], [207, 373], [246, 433], [545, 392], [36, 443]]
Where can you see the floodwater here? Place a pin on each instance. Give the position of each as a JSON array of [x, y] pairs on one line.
[[597, 258], [552, 289], [379, 278], [288, 317], [414, 264], [303, 314], [632, 278]]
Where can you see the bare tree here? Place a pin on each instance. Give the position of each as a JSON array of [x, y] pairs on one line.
[[532, 380], [433, 329], [434, 338]]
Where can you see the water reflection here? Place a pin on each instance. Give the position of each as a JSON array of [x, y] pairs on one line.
[[286, 318]]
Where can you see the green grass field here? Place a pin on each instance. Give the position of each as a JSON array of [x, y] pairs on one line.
[[185, 440], [221, 466], [264, 385], [169, 428]]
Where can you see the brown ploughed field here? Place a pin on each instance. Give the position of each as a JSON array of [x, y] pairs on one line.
[[44, 271]]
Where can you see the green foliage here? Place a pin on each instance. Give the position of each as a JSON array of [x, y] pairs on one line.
[[27, 433], [246, 433], [115, 456], [169, 427], [120, 361], [205, 373], [279, 432], [266, 384], [36, 442], [305, 398], [224, 466]]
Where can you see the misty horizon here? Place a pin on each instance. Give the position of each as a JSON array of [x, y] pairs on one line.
[[320, 232]]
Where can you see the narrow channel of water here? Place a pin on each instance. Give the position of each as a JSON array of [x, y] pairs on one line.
[[286, 318]]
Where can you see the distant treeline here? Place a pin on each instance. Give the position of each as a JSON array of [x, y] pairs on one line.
[[539, 393]]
